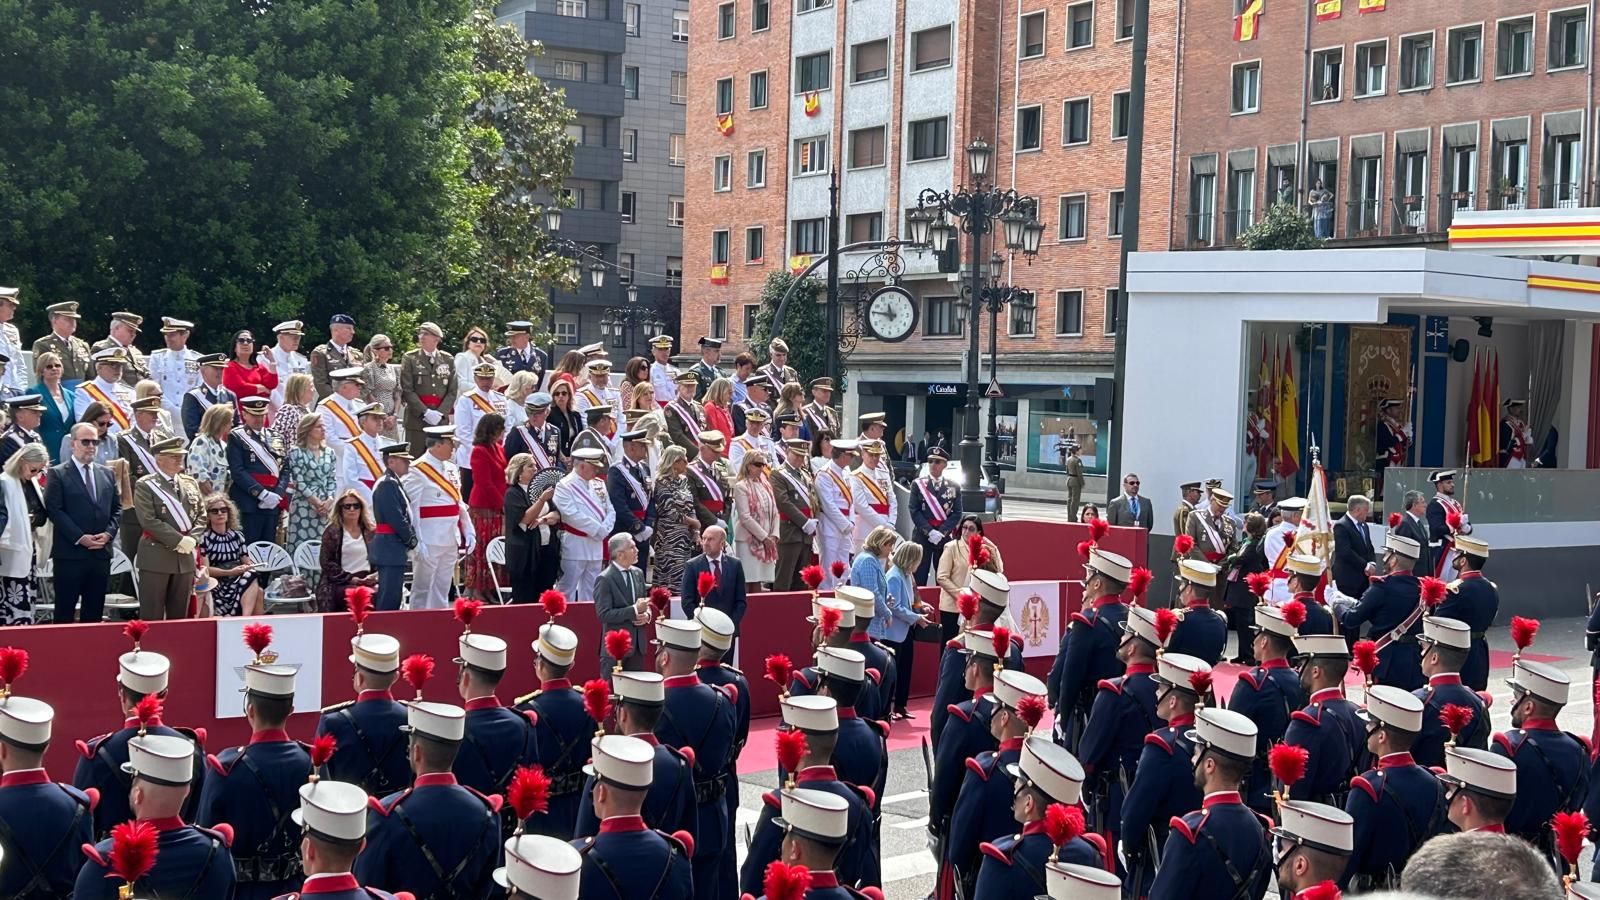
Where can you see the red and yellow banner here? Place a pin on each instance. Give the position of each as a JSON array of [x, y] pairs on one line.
[[725, 124], [1247, 24], [719, 274], [813, 101], [1328, 10], [1367, 6], [798, 263]]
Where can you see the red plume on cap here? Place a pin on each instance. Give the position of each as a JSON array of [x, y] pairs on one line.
[[1182, 544], [1433, 591], [1000, 640], [828, 621], [133, 850], [706, 583], [1098, 528], [1453, 519], [1294, 613], [1084, 547], [1139, 582], [258, 637], [791, 749], [974, 544], [554, 602], [322, 750], [967, 604], [359, 601], [618, 644], [13, 662], [785, 882], [779, 670], [1523, 631], [467, 611], [812, 576], [417, 669], [1394, 520], [528, 792], [1455, 717], [147, 711], [1031, 709], [1364, 656], [838, 568], [1258, 582], [1062, 823], [660, 601], [135, 630], [1288, 763], [1166, 623], [1570, 829], [1200, 681], [597, 700]]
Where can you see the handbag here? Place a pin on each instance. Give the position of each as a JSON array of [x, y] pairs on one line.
[[928, 634]]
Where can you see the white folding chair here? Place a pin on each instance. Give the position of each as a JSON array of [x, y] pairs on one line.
[[271, 559], [495, 555], [308, 562], [122, 606]]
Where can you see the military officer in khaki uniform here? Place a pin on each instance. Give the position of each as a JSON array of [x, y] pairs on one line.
[[685, 418], [74, 351], [168, 504], [136, 450], [338, 353], [777, 369], [124, 329], [17, 377], [428, 385], [797, 522], [818, 413], [710, 482], [1074, 467], [1191, 497], [1215, 535]]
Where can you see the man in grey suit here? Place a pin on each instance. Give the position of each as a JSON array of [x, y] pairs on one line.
[[1129, 509], [1414, 525], [621, 601]]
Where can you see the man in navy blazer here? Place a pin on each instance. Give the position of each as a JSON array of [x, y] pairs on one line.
[[729, 593], [80, 497], [1354, 558]]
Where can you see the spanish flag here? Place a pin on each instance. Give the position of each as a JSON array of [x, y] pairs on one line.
[[1366, 6], [1329, 9], [719, 274], [1288, 419], [813, 102], [725, 124], [1248, 23], [798, 263]]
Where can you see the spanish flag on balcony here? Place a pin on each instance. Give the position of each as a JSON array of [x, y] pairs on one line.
[[814, 102], [1366, 6], [725, 124], [1248, 23], [719, 274], [1328, 10], [798, 263]]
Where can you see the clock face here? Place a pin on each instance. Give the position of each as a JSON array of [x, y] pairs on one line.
[[892, 314]]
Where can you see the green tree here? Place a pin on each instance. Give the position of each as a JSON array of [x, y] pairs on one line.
[[805, 324], [1284, 227]]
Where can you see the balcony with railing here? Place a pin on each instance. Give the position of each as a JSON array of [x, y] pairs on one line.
[[1451, 202], [1509, 196], [1560, 195], [1236, 222], [1202, 231], [1410, 214], [1363, 217]]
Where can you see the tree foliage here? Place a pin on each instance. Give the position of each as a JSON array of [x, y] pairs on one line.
[[805, 324], [1284, 227]]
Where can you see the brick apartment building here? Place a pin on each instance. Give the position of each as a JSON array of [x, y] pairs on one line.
[[900, 87]]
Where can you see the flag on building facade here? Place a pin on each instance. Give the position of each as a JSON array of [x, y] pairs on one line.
[[1287, 418], [725, 124], [1367, 6], [1327, 10], [1247, 24], [798, 263], [813, 101], [719, 274]]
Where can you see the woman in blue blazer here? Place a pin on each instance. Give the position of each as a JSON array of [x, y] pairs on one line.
[[899, 613], [58, 415]]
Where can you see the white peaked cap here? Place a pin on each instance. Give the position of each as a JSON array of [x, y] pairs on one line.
[[842, 663], [1480, 770], [679, 634], [1010, 686], [621, 760], [1117, 568], [270, 680], [164, 759], [859, 598], [980, 643], [1394, 707], [333, 809], [1301, 564], [1402, 545], [1141, 623], [544, 867], [1198, 571], [436, 720], [1321, 645], [1270, 618], [1175, 668], [810, 713], [1066, 881], [1317, 825], [143, 672], [847, 611]]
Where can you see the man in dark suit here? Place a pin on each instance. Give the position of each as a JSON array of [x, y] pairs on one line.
[[619, 603], [1354, 559], [80, 497], [628, 486], [728, 594], [1414, 525], [394, 535], [1129, 509]]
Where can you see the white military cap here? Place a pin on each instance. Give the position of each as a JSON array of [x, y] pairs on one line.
[[849, 444], [842, 663], [1394, 707], [1011, 686], [1141, 623], [1546, 682], [589, 454], [25, 721], [1174, 669], [436, 720], [1198, 571], [1292, 503], [161, 758], [861, 599], [1225, 731], [1051, 769], [598, 365], [1449, 632], [1066, 881], [482, 651], [540, 866], [992, 587], [1109, 564], [371, 409], [293, 326], [1301, 564], [643, 688], [847, 611], [626, 762], [1270, 618], [556, 644], [810, 713], [1318, 826], [716, 628], [143, 672], [375, 652], [169, 324], [348, 373], [978, 643], [1480, 770], [679, 634], [818, 815], [1474, 546], [333, 810], [270, 680], [1399, 543], [1331, 645]]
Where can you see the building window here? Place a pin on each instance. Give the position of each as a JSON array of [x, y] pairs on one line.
[[674, 271], [625, 264], [1241, 212], [870, 61], [722, 173], [724, 96], [1080, 25], [1372, 66], [628, 204], [577, 9], [675, 152], [1021, 319], [577, 134], [719, 322], [569, 70], [1327, 71], [1030, 41], [675, 212], [867, 147], [1568, 37], [1119, 115], [758, 89], [930, 48], [760, 15], [1030, 127], [1074, 218], [680, 26], [719, 247], [929, 138], [1112, 297], [755, 169], [1246, 87], [630, 144], [1465, 62], [1416, 62], [678, 88], [630, 82], [943, 318], [724, 21], [1124, 19], [755, 244], [1069, 313], [1114, 220], [1562, 168], [809, 5], [1514, 47], [632, 13], [863, 227], [811, 155], [810, 236], [813, 72], [750, 311], [567, 328], [1202, 200], [1075, 121]]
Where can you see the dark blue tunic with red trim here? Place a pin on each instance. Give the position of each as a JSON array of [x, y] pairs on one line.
[[857, 862], [1396, 806], [434, 839], [1319, 619], [983, 808], [1124, 712], [1202, 632], [1445, 689], [1474, 600], [498, 740], [1013, 866], [1221, 851], [1267, 695], [669, 806], [1087, 656], [1333, 738], [43, 827], [951, 687], [562, 733], [337, 887], [371, 749], [254, 789], [966, 736], [628, 859], [1552, 776], [100, 767], [1388, 602], [1163, 789], [190, 862]]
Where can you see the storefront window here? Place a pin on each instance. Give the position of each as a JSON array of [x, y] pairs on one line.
[[1005, 432], [1053, 423]]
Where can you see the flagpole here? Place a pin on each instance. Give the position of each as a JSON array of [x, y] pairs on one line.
[[1306, 416]]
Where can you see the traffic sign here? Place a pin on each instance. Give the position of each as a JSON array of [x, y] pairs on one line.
[[993, 392]]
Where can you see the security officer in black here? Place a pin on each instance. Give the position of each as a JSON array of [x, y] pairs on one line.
[[716, 639], [1392, 604], [993, 592], [42, 823], [371, 749], [628, 858], [498, 739], [563, 729], [1475, 600], [638, 698], [1445, 645], [253, 789], [1552, 765], [1268, 694], [1163, 785], [1088, 651], [1397, 805], [1328, 727], [1124, 711]]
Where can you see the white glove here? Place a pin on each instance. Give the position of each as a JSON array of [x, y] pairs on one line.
[[643, 534], [267, 500], [432, 416], [810, 527], [185, 544], [935, 536]]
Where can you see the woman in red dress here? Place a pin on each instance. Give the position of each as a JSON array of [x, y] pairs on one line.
[[486, 502], [247, 374]]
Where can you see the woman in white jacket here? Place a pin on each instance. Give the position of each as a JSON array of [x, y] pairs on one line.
[[22, 512]]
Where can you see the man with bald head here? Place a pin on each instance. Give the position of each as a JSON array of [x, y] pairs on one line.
[[727, 591]]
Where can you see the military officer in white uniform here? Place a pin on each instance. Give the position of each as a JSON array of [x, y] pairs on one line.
[[663, 374], [287, 357], [474, 405], [16, 376], [362, 463], [339, 409], [836, 491], [175, 367], [587, 518], [875, 501], [754, 438], [598, 392], [107, 389], [1278, 545], [444, 531]]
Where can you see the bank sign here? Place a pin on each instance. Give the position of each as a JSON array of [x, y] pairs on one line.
[[946, 390]]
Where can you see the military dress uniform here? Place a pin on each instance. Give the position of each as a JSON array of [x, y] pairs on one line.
[[1123, 712], [134, 449], [1552, 765], [628, 484], [1389, 606], [1014, 865], [1268, 694], [836, 501], [199, 399], [1202, 630], [433, 488], [861, 753], [134, 369], [328, 357], [816, 417], [685, 420], [628, 858], [15, 437], [42, 823], [966, 735], [669, 806], [115, 396], [704, 373], [361, 463], [542, 442], [498, 739], [73, 350], [428, 384], [471, 406], [16, 380], [255, 462], [587, 520], [711, 485], [178, 373], [795, 498], [170, 513], [935, 507], [1475, 600], [286, 362], [563, 732], [1397, 805], [1088, 650], [1163, 785], [339, 419], [1319, 619], [334, 814], [1333, 736], [370, 748], [528, 359], [1215, 537], [1443, 689], [394, 533], [875, 501]]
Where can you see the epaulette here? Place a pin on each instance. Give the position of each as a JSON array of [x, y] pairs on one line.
[[198, 735], [683, 839], [1301, 715], [89, 797], [1510, 741], [1453, 586], [1114, 685], [1249, 677], [731, 690], [1582, 742], [686, 753], [867, 794], [338, 706], [770, 798], [1154, 739], [977, 768], [875, 675], [733, 670], [953, 644], [880, 726], [993, 852], [384, 807], [1180, 826], [222, 831], [1374, 579], [494, 801], [532, 715], [526, 697], [93, 854], [955, 709], [1080, 618], [1098, 842], [88, 748], [1360, 781], [215, 763]]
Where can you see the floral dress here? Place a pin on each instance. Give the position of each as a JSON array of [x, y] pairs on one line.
[[224, 550], [674, 543], [208, 462], [284, 423], [311, 473]]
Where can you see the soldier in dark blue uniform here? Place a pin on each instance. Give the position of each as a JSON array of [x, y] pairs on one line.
[[436, 839], [1328, 727], [394, 535], [1479, 788], [994, 593], [1124, 712], [255, 788], [862, 756], [1268, 694], [255, 463], [1305, 572], [563, 729], [190, 861], [371, 749], [628, 858], [983, 805], [1312, 847], [520, 355], [805, 680], [967, 735], [1013, 866], [498, 739], [539, 867], [1163, 786], [206, 394], [669, 806], [1070, 882], [42, 823], [716, 640], [1552, 765], [881, 670], [1202, 631], [332, 815], [537, 437], [1397, 805], [815, 826], [1475, 600], [1392, 604], [1223, 848], [704, 718], [857, 860], [1445, 644], [1088, 651]]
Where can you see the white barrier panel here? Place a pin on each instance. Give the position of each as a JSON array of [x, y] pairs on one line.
[[297, 641], [1035, 608]]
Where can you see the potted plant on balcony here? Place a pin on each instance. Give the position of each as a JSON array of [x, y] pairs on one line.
[[1460, 196], [1507, 188]]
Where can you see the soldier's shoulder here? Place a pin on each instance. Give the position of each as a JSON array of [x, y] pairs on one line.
[[338, 706]]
